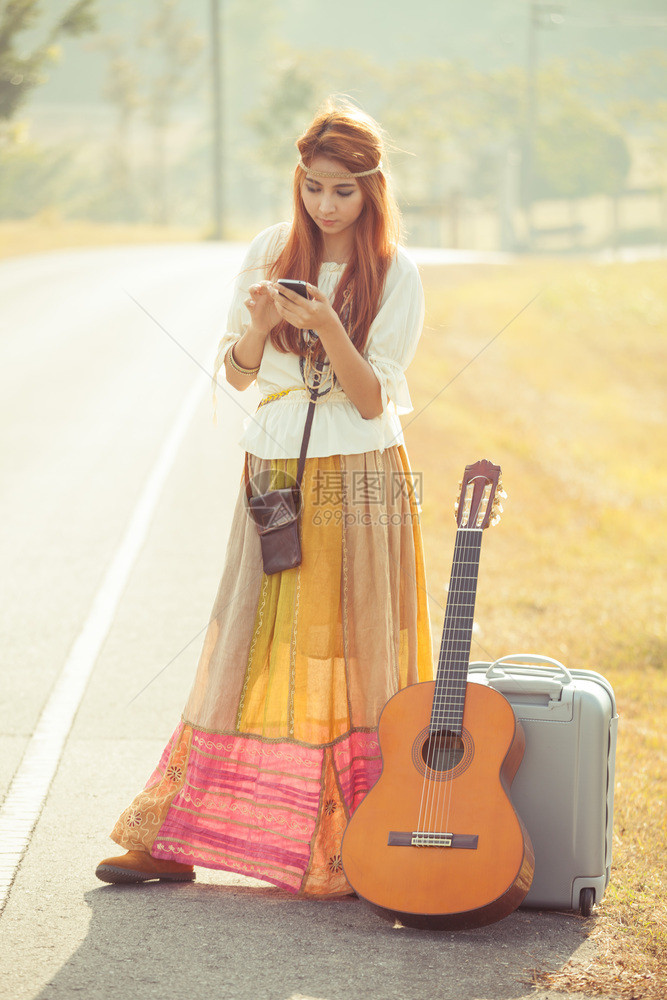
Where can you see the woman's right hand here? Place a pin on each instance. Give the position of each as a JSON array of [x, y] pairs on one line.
[[249, 348], [263, 313]]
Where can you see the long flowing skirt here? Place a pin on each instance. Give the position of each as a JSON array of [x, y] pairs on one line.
[[278, 744]]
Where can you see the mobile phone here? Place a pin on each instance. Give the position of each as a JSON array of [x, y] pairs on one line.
[[300, 287]]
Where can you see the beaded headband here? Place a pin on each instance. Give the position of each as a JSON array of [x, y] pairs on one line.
[[333, 173]]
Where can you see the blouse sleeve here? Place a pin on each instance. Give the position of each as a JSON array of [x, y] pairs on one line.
[[395, 331], [263, 250]]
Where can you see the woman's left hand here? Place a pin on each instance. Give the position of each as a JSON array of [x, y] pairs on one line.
[[314, 313]]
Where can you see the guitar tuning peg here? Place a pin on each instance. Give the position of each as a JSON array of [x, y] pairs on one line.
[[497, 508], [494, 520]]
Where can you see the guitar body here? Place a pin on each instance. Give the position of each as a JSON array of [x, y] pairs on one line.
[[486, 872]]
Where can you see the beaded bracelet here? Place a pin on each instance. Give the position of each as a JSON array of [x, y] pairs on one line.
[[239, 368]]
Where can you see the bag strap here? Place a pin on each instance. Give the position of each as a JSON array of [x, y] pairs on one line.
[[314, 393]]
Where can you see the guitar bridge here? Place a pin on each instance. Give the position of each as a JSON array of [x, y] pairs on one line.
[[432, 838]]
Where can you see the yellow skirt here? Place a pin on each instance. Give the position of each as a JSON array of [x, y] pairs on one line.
[[278, 740]]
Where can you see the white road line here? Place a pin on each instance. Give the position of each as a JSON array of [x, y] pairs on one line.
[[30, 786]]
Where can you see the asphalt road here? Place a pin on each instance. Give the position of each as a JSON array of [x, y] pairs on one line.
[[100, 383]]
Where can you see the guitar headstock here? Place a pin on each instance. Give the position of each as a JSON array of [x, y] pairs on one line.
[[479, 499]]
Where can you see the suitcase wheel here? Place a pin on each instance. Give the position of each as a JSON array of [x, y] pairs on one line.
[[586, 900]]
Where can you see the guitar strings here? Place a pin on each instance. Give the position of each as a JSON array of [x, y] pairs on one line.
[[437, 792], [447, 708], [431, 805], [431, 785], [424, 822], [467, 592], [446, 746]]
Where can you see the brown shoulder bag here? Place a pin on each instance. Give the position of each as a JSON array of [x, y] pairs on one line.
[[276, 513]]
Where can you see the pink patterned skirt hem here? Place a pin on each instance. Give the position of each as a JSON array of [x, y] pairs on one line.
[[255, 807]]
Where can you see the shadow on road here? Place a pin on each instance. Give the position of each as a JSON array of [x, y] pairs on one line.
[[237, 943]]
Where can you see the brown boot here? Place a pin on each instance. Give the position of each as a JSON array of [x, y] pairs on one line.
[[139, 866]]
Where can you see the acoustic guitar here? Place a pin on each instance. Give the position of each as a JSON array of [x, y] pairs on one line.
[[437, 843]]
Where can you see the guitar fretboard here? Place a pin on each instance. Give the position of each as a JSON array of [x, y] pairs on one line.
[[452, 675]]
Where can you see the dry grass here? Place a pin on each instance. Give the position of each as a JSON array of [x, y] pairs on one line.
[[570, 401], [49, 232]]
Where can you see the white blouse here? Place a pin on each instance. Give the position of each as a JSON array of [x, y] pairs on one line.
[[276, 429]]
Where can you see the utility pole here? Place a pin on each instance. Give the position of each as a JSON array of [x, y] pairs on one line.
[[542, 14], [217, 159], [530, 120]]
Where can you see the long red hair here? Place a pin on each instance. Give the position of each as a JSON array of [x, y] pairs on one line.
[[344, 133]]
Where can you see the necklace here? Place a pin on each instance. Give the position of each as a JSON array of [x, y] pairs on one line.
[[316, 375], [320, 375]]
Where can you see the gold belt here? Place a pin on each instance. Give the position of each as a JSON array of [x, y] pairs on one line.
[[278, 395]]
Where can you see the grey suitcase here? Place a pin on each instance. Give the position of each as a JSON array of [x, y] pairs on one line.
[[564, 788]]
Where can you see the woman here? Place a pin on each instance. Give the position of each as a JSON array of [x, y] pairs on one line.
[[277, 744]]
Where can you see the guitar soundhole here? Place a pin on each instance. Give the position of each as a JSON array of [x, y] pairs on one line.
[[443, 751], [442, 755]]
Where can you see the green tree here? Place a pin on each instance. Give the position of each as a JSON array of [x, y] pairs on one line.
[[578, 153], [21, 72], [277, 121], [642, 109], [122, 89], [177, 49]]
